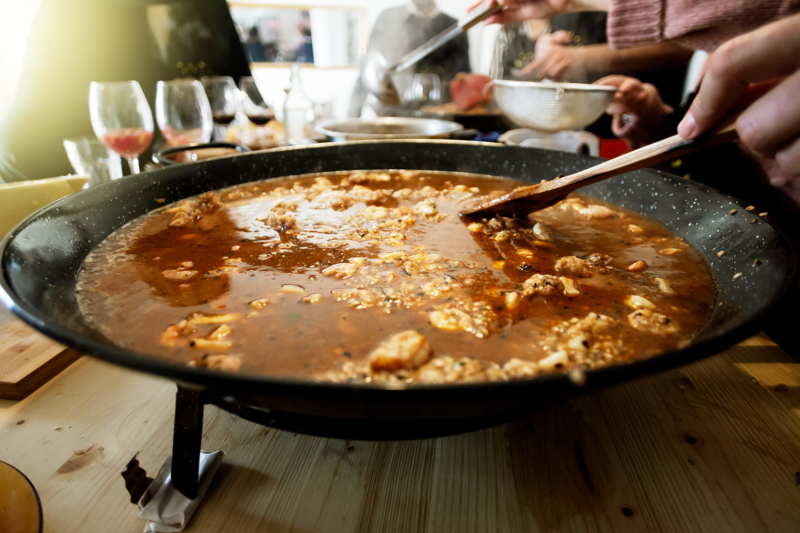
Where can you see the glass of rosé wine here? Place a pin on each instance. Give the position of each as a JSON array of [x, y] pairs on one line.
[[183, 112], [121, 118]]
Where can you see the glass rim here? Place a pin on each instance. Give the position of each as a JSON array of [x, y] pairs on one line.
[[179, 81], [116, 82]]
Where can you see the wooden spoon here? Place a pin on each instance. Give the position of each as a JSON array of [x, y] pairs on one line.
[[545, 193]]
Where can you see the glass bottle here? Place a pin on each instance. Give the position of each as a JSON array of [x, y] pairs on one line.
[[297, 108]]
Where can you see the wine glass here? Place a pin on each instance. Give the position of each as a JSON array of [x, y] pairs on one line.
[[183, 112], [223, 97], [121, 118], [93, 159], [425, 89], [253, 104]]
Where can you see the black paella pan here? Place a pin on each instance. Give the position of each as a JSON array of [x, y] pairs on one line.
[[42, 256]]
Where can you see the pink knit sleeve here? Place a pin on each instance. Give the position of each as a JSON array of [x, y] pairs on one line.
[[695, 23]]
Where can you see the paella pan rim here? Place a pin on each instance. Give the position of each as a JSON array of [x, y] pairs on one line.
[[224, 383]]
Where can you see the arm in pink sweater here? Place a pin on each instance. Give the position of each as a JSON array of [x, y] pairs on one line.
[[700, 24]]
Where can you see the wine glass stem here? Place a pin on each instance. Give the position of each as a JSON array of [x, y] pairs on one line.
[[133, 164]]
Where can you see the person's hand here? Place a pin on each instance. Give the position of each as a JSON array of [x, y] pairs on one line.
[[636, 110], [770, 124], [553, 58]]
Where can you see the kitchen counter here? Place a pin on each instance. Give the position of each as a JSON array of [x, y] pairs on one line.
[[714, 446]]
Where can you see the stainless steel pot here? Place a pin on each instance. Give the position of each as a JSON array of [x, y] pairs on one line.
[[383, 128]]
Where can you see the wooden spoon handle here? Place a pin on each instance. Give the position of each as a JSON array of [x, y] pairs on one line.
[[532, 197], [646, 156]]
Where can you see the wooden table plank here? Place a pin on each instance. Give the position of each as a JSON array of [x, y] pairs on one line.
[[28, 359], [714, 446]]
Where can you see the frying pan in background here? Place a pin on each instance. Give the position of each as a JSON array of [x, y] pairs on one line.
[[41, 257], [384, 128], [485, 121]]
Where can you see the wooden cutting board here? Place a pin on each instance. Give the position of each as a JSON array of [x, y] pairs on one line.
[[28, 359]]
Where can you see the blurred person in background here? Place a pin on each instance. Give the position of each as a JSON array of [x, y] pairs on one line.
[[750, 43], [254, 46], [304, 52], [397, 31]]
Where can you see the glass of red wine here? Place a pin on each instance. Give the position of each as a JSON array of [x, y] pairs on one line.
[[223, 97], [183, 112], [121, 118], [253, 104]]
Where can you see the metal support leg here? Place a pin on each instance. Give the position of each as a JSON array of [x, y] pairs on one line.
[[186, 440]]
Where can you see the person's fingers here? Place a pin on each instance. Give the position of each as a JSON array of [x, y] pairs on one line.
[[472, 7], [629, 90], [621, 102], [788, 159], [616, 108], [614, 80], [533, 67], [559, 68], [764, 54], [561, 37], [774, 119]]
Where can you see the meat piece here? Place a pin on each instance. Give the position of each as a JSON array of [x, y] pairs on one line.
[[664, 286], [358, 298], [439, 286], [200, 318], [280, 222], [585, 341], [637, 266], [670, 251], [555, 361], [649, 321], [574, 266], [517, 368], [194, 212], [524, 252], [542, 285], [639, 302], [598, 259], [569, 287], [426, 207], [341, 270], [259, 303], [447, 369], [402, 351], [229, 363], [476, 318], [210, 344], [220, 332], [503, 235], [179, 274], [511, 299], [592, 211], [634, 228], [540, 231], [468, 90]]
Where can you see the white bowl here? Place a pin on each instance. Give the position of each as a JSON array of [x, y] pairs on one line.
[[551, 106]]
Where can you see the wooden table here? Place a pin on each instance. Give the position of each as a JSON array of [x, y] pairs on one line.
[[711, 447]]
